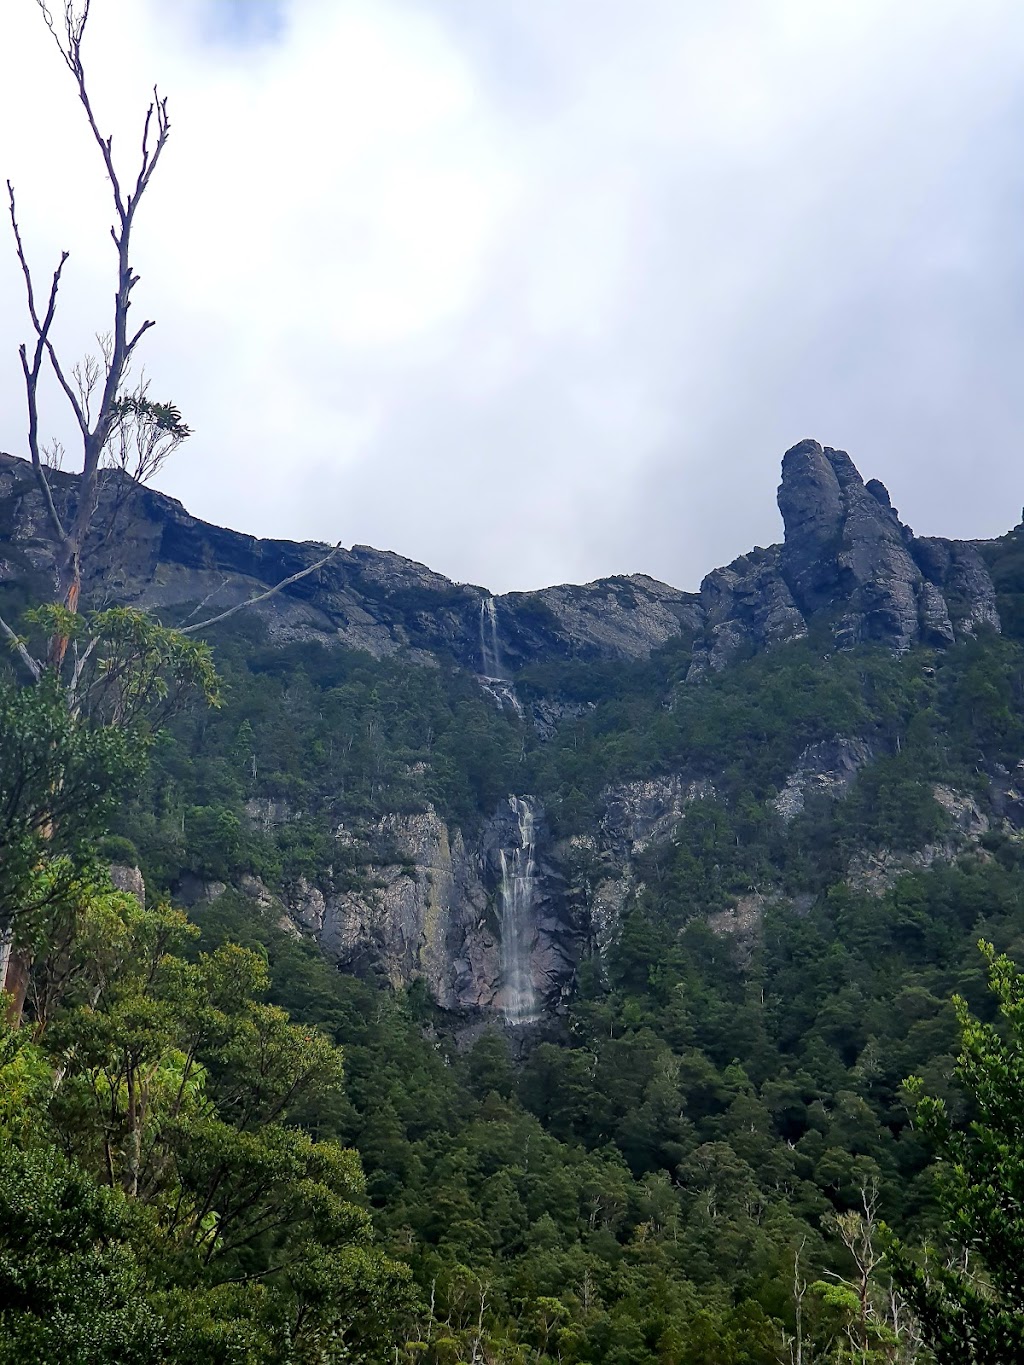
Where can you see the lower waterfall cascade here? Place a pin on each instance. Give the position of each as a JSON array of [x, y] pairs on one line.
[[518, 998]]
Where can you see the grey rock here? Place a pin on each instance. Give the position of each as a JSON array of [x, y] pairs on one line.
[[268, 812], [427, 909], [875, 871], [191, 890], [742, 924], [849, 560], [129, 880], [549, 713], [747, 606], [625, 618], [639, 814], [847, 553], [168, 562], [601, 872], [824, 770], [1006, 795]]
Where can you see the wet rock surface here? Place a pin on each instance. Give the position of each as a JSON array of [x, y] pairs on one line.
[[428, 907]]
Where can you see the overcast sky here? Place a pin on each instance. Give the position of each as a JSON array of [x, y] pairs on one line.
[[541, 290]]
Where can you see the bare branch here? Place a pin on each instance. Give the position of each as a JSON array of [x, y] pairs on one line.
[[81, 659], [31, 370], [69, 393], [18, 645], [262, 597], [70, 47], [206, 600], [131, 345]]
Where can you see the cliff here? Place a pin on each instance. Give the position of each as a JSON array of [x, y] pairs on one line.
[[846, 559], [495, 912]]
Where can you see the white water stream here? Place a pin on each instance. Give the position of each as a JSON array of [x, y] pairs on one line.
[[493, 677], [490, 648], [518, 994]]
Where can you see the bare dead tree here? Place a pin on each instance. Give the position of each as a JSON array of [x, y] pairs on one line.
[[795, 1346], [95, 391], [120, 426]]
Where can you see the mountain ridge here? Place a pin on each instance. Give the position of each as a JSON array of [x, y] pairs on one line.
[[845, 556]]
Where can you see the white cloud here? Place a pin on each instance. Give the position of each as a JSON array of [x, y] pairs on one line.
[[543, 291]]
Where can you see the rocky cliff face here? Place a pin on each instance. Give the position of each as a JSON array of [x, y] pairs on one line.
[[430, 905], [849, 561], [435, 905], [166, 561], [846, 559]]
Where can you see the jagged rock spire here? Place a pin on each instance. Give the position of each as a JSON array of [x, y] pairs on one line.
[[846, 557]]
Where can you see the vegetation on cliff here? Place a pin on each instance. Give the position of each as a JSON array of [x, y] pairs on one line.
[[688, 1169]]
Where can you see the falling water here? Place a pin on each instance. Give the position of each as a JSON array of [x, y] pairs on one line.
[[518, 996], [490, 650]]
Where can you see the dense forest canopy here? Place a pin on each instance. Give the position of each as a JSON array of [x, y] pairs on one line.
[[684, 1164], [609, 976]]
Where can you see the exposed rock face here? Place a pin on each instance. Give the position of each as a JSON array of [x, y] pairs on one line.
[[847, 551], [847, 557], [428, 905], [167, 561], [130, 880], [1006, 795], [747, 606], [623, 618], [639, 814], [636, 816], [428, 908], [823, 770], [741, 924], [548, 713], [875, 872], [267, 812]]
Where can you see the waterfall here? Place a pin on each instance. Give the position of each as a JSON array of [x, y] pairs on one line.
[[492, 676], [518, 996], [490, 649]]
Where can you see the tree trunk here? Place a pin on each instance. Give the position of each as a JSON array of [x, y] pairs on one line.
[[17, 963]]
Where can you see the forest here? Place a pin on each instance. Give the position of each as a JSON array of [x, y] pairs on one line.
[[219, 1146], [790, 1139]]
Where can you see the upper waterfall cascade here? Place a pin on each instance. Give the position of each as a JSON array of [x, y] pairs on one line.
[[518, 993], [490, 646], [493, 677]]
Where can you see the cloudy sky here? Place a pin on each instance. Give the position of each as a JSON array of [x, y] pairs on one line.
[[540, 290]]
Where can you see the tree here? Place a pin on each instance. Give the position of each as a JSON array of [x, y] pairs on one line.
[[969, 1292], [112, 421], [71, 1286], [153, 1164], [123, 432], [69, 748], [114, 668]]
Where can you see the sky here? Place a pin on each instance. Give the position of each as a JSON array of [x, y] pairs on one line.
[[538, 291]]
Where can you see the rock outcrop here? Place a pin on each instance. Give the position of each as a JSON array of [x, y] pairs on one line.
[[428, 906], [601, 867], [166, 561], [846, 560], [431, 902], [823, 770]]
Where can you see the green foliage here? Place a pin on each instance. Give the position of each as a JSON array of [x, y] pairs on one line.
[[969, 1292], [640, 1183], [59, 784], [71, 1286]]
